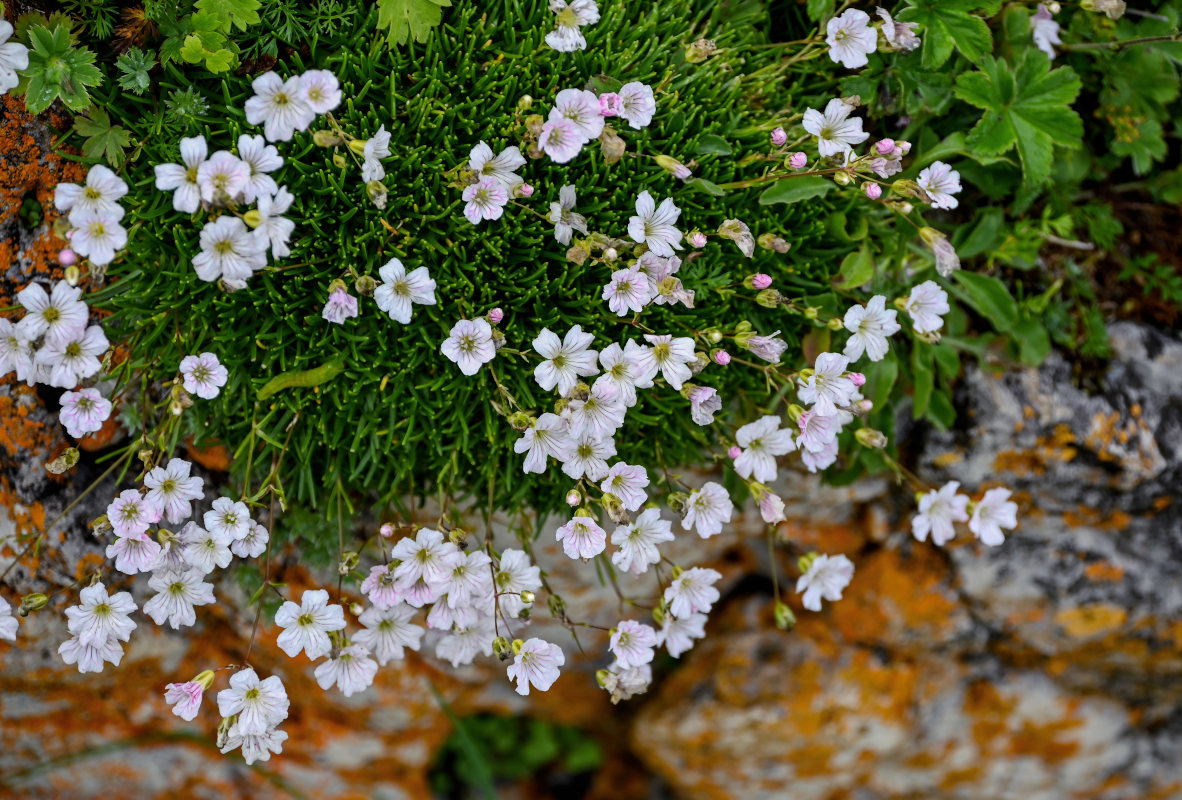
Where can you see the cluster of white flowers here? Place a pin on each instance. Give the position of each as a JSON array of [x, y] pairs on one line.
[[572, 16], [987, 517], [94, 214], [852, 38]]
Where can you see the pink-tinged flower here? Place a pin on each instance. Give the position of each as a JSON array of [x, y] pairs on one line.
[[721, 357], [134, 554], [836, 133], [66, 362], [101, 617], [707, 509], [561, 139], [621, 370], [536, 664], [632, 643], [83, 412], [697, 239], [705, 402], [851, 39], [637, 104], [1044, 31], [798, 160], [427, 556], [599, 415], [669, 355], [525, 190], [636, 543], [351, 671], [677, 634], [692, 592], [375, 149], [828, 386], [228, 518], [991, 514], [401, 290], [387, 631], [927, 304], [872, 190], [733, 452], [340, 306], [899, 35], [655, 226], [131, 513], [779, 137], [826, 577], [818, 431], [582, 538], [381, 586], [947, 261], [624, 684], [177, 593], [203, 375], [610, 104], [582, 108], [280, 106], [181, 179], [185, 698], [938, 511], [172, 489], [67, 257], [572, 15], [563, 215], [307, 625], [627, 291], [626, 482], [229, 251], [260, 705], [500, 168], [253, 544], [470, 345], [761, 281], [771, 505], [564, 361], [548, 437], [769, 348], [941, 182], [870, 326], [485, 200], [222, 178], [665, 286], [320, 90], [821, 459], [205, 550], [762, 441], [885, 147]]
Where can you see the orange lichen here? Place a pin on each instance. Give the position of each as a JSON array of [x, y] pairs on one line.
[[1091, 620], [1104, 571]]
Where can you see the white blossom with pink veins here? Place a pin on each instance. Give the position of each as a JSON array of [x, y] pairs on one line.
[[632, 643], [351, 671], [761, 441], [260, 705], [307, 625], [826, 577], [582, 538], [707, 509], [536, 664], [692, 592]]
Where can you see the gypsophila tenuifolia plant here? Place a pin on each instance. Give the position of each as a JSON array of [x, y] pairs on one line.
[[623, 263]]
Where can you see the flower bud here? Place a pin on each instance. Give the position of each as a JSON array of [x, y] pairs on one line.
[[356, 609], [733, 453], [386, 531], [495, 316], [1114, 9], [610, 254], [520, 420], [721, 357], [805, 562], [101, 526], [869, 437], [674, 167], [224, 730], [798, 161], [659, 615], [779, 137], [577, 255], [700, 362], [811, 312], [785, 619], [557, 606], [523, 190], [377, 193], [357, 146], [769, 298], [835, 324], [339, 161], [780, 245], [527, 597], [67, 257], [348, 562], [885, 147], [795, 412], [864, 406], [857, 378], [32, 602], [677, 501], [1054, 7], [611, 145], [253, 218], [72, 274], [615, 509], [503, 648], [329, 139], [365, 285], [525, 103], [534, 123], [700, 50], [574, 498], [759, 280], [842, 178], [697, 239], [872, 190]]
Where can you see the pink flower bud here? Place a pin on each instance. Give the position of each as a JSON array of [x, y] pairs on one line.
[[779, 137], [610, 104], [387, 530], [67, 258], [682, 172], [697, 239], [525, 190], [857, 378], [872, 190], [885, 147], [722, 358], [496, 315], [734, 453], [798, 160], [761, 281], [866, 406]]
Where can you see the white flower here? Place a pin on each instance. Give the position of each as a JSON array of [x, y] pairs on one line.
[[100, 196], [825, 578], [564, 361], [321, 90], [222, 178], [707, 509], [463, 644], [622, 371], [388, 630], [937, 511], [376, 148], [381, 586], [255, 746], [470, 580], [400, 289], [181, 179], [582, 538], [628, 290], [588, 456], [177, 594], [340, 306], [274, 230], [548, 437], [260, 705], [626, 482], [565, 220], [16, 351], [203, 375], [623, 684], [704, 404], [561, 139], [130, 513], [580, 107], [14, 57], [351, 671], [769, 348], [427, 556], [96, 236], [58, 315], [90, 658], [572, 16], [172, 552], [762, 441], [828, 387], [485, 200], [469, 345], [172, 489], [654, 225], [515, 574], [692, 592], [205, 550], [229, 251], [632, 643], [134, 554], [677, 634], [536, 663], [870, 325], [1044, 31], [637, 543], [185, 698], [100, 617], [851, 39], [599, 416], [69, 360], [637, 104], [307, 625], [836, 133], [279, 106], [940, 181], [927, 304], [253, 544], [228, 518], [818, 431], [992, 513], [899, 35], [500, 168], [666, 288], [668, 355]]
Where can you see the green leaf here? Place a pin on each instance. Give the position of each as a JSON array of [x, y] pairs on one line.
[[989, 297], [239, 13], [793, 190], [820, 9], [857, 268], [710, 144], [102, 139], [196, 51], [1028, 108], [1034, 343], [409, 19], [947, 24], [923, 378], [709, 187]]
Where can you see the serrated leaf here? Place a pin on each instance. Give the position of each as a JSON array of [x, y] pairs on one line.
[[948, 24], [102, 139], [409, 19], [793, 190], [239, 13], [1028, 108]]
